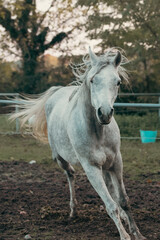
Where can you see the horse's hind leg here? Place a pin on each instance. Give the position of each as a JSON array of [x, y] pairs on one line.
[[120, 196], [69, 170]]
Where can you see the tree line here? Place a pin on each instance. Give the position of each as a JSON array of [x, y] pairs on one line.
[[130, 25]]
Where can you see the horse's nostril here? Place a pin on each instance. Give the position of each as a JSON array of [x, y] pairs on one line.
[[100, 114], [112, 110]]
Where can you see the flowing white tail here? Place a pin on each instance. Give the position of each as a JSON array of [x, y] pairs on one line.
[[32, 114]]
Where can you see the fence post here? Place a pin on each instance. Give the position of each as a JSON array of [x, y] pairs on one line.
[[159, 109], [17, 119]]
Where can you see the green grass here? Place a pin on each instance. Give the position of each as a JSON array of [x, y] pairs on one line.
[[17, 147], [139, 159], [6, 125], [130, 125]]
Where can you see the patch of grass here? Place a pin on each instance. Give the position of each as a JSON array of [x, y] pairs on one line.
[[139, 159], [17, 147], [6, 125], [130, 125]]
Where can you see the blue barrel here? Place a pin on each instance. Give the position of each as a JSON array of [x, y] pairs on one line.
[[148, 136]]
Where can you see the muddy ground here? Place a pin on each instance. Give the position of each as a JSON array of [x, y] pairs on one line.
[[34, 204]]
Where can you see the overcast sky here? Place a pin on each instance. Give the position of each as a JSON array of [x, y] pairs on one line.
[[43, 5], [82, 48]]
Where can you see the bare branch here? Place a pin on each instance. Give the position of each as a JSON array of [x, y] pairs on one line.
[[8, 23], [57, 39]]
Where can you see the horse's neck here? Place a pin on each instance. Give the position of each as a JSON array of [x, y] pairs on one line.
[[84, 96]]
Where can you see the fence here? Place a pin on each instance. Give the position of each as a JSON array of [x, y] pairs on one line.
[[153, 120], [142, 95], [138, 116], [15, 95]]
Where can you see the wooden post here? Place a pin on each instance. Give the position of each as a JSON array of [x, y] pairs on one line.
[[159, 109], [17, 119]]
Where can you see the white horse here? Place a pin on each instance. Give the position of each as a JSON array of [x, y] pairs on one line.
[[79, 125]]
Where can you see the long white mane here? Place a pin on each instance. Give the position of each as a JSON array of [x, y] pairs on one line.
[[80, 70]]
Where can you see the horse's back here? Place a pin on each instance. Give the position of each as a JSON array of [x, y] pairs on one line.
[[59, 99]]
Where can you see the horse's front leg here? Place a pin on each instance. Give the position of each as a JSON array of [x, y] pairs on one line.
[[94, 174], [116, 175]]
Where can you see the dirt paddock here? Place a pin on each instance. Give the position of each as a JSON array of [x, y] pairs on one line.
[[34, 204]]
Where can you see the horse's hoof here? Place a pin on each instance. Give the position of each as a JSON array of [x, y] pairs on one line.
[[139, 236], [73, 215], [126, 237]]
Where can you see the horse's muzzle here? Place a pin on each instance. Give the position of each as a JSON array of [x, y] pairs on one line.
[[104, 118]]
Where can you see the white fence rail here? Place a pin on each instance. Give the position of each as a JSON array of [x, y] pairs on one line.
[[142, 95], [15, 95], [116, 105]]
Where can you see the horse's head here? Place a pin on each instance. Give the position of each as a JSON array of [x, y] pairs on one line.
[[103, 80]]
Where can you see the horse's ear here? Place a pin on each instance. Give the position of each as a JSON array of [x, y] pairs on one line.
[[93, 57], [117, 59]]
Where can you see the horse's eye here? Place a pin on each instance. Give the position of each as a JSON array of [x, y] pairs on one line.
[[91, 80], [119, 83]]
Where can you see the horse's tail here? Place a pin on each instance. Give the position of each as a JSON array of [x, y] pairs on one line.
[[32, 114]]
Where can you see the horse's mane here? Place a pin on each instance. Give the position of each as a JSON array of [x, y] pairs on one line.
[[80, 70]]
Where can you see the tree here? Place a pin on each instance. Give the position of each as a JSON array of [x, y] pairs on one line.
[[6, 71], [28, 32], [134, 26]]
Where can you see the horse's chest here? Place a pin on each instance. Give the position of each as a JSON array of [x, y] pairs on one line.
[[103, 156]]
